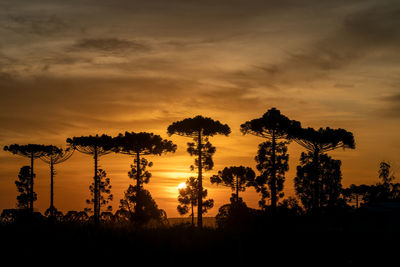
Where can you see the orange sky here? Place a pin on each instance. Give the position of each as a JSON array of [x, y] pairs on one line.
[[72, 68]]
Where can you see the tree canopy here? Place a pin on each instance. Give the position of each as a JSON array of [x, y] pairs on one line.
[[101, 145], [190, 127], [143, 143], [272, 124]]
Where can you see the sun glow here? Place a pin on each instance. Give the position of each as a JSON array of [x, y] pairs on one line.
[[182, 186]]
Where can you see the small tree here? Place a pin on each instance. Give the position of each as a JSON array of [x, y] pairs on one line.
[[147, 211], [200, 129], [33, 152], [53, 157], [95, 146], [385, 173], [272, 126], [272, 162], [23, 187], [105, 195], [188, 198], [329, 182], [237, 178]]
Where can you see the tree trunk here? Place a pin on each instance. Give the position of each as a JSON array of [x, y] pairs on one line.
[[273, 174], [96, 189], [200, 193], [51, 188], [192, 214], [31, 186], [316, 200], [138, 206], [237, 189]]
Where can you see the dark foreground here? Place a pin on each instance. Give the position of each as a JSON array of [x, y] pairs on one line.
[[286, 241]]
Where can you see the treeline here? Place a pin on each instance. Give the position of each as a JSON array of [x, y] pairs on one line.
[[317, 182]]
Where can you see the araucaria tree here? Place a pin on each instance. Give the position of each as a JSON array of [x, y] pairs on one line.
[[95, 146], [200, 129], [235, 177], [269, 169], [53, 157], [105, 195], [32, 151], [272, 126], [188, 197], [139, 145], [318, 142], [23, 186], [329, 181]]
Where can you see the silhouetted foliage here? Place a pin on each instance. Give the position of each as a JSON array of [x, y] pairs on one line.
[[138, 145], [290, 207], [95, 146], [272, 163], [235, 177], [147, 212], [105, 195], [200, 128], [383, 191], [53, 157], [272, 126], [318, 142], [328, 182], [188, 199], [32, 151], [23, 187], [76, 217]]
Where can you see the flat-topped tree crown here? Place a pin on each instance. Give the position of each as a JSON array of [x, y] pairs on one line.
[[89, 144], [30, 150], [272, 123], [191, 127], [57, 155], [143, 143], [323, 139]]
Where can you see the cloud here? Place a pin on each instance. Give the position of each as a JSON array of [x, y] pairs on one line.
[[43, 25], [109, 45]]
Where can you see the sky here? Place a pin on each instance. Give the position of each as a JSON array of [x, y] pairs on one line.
[[74, 68]]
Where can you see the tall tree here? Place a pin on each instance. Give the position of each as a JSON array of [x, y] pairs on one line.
[[139, 145], [188, 198], [318, 142], [104, 190], [385, 174], [329, 181], [23, 186], [272, 126], [272, 162], [235, 177], [95, 146], [55, 156], [32, 151], [200, 129]]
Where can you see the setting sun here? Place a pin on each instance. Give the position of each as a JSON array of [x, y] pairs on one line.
[[182, 186]]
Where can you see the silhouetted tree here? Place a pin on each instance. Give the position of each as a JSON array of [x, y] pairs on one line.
[[139, 145], [235, 177], [104, 191], [147, 211], [355, 192], [200, 129], [272, 162], [318, 142], [385, 174], [273, 126], [95, 146], [33, 152], [188, 198], [23, 186], [329, 181], [53, 157]]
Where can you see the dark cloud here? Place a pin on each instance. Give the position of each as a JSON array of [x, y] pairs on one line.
[[35, 24], [109, 45]]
